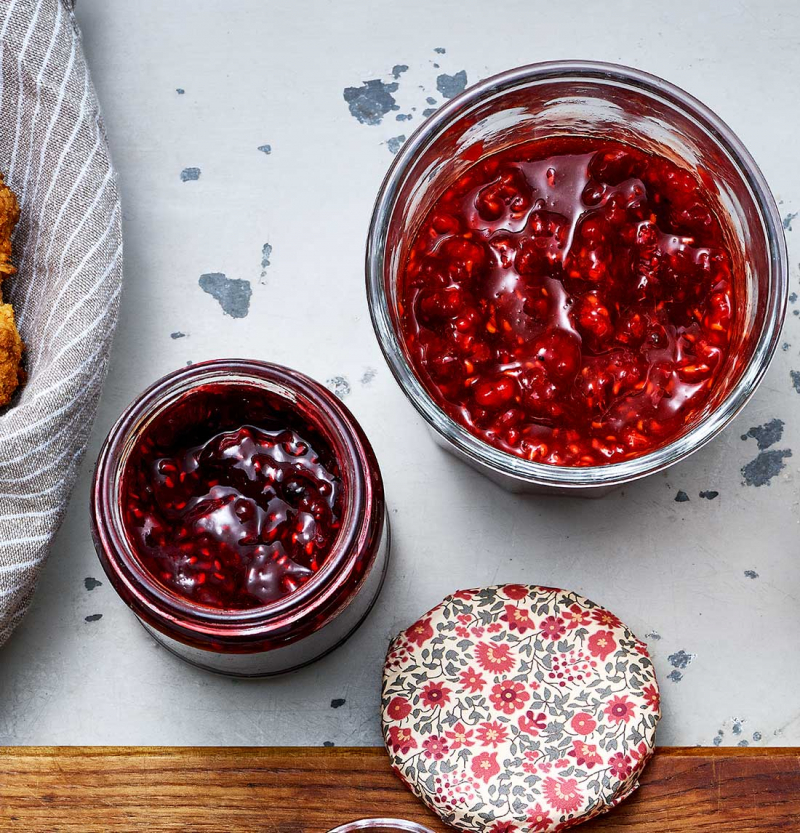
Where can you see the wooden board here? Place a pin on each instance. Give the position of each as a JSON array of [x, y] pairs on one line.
[[281, 790]]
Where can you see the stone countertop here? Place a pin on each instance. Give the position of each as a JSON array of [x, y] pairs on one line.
[[250, 142]]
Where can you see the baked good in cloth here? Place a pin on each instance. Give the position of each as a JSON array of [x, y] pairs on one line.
[[11, 373]]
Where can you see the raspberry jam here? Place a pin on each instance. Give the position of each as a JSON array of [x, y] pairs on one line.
[[570, 301], [229, 502]]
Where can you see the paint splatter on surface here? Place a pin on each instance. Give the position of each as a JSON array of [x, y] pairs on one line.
[[95, 617], [395, 143], [180, 90], [370, 102], [339, 385], [681, 497], [428, 111], [369, 374], [430, 100], [403, 117], [768, 464], [338, 702], [190, 174], [785, 346], [233, 294], [675, 676], [793, 298], [709, 495], [787, 220], [265, 149], [681, 660], [266, 254], [751, 574], [91, 583], [767, 434], [718, 738], [655, 635], [398, 70], [440, 50], [328, 743], [756, 736], [177, 334], [795, 377], [451, 85]]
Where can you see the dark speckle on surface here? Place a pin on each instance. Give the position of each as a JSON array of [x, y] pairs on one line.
[[91, 583], [743, 743], [681, 497], [675, 676], [370, 102], [395, 143], [398, 70], [180, 90], [369, 374], [709, 495], [266, 253], [767, 434], [403, 117], [177, 334], [681, 660], [737, 728], [430, 99], [756, 736], [787, 220], [338, 702], [328, 743], [440, 50], [785, 346], [451, 85], [751, 573], [718, 740], [190, 174], [339, 385], [428, 111], [233, 294], [265, 149], [795, 377], [654, 635], [767, 465], [793, 298], [796, 312], [95, 617]]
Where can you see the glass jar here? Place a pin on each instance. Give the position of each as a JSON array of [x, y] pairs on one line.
[[570, 98], [307, 623], [382, 826]]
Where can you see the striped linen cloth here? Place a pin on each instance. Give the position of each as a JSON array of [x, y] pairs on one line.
[[68, 251]]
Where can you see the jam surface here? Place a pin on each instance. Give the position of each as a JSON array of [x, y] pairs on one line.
[[230, 503], [570, 301]]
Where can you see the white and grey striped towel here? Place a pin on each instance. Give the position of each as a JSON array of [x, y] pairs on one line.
[[68, 251]]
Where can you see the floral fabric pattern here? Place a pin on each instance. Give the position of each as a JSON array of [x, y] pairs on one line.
[[519, 709]]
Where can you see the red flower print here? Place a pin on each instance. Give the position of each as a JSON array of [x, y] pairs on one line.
[[494, 657], [538, 820], [620, 765], [477, 632], [465, 595], [420, 632], [509, 696], [495, 627], [605, 618], [532, 724], [398, 708], [435, 747], [576, 617], [460, 736], [619, 709], [652, 697], [472, 681], [515, 591], [503, 827], [553, 627], [462, 632], [518, 619], [485, 766], [601, 644], [401, 740], [583, 723], [464, 619], [562, 794], [435, 695], [585, 754], [492, 733]]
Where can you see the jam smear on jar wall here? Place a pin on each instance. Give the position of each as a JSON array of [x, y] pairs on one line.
[[229, 502], [570, 301]]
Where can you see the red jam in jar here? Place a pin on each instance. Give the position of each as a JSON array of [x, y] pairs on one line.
[[570, 301], [229, 502]]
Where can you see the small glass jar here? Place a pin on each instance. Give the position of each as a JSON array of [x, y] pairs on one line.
[[576, 98], [382, 826], [299, 627]]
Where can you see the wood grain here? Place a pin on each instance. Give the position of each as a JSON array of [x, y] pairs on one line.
[[281, 790]]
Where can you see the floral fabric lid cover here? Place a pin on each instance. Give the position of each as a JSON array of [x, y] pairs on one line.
[[519, 709]]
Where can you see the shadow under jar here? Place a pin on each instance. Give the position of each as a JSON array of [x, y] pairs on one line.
[[238, 509], [577, 106]]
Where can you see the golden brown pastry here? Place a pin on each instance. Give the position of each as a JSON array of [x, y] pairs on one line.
[[11, 346]]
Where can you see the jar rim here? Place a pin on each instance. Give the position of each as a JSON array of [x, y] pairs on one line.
[[361, 523], [494, 459]]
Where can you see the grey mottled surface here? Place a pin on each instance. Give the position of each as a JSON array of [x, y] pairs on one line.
[[712, 583]]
